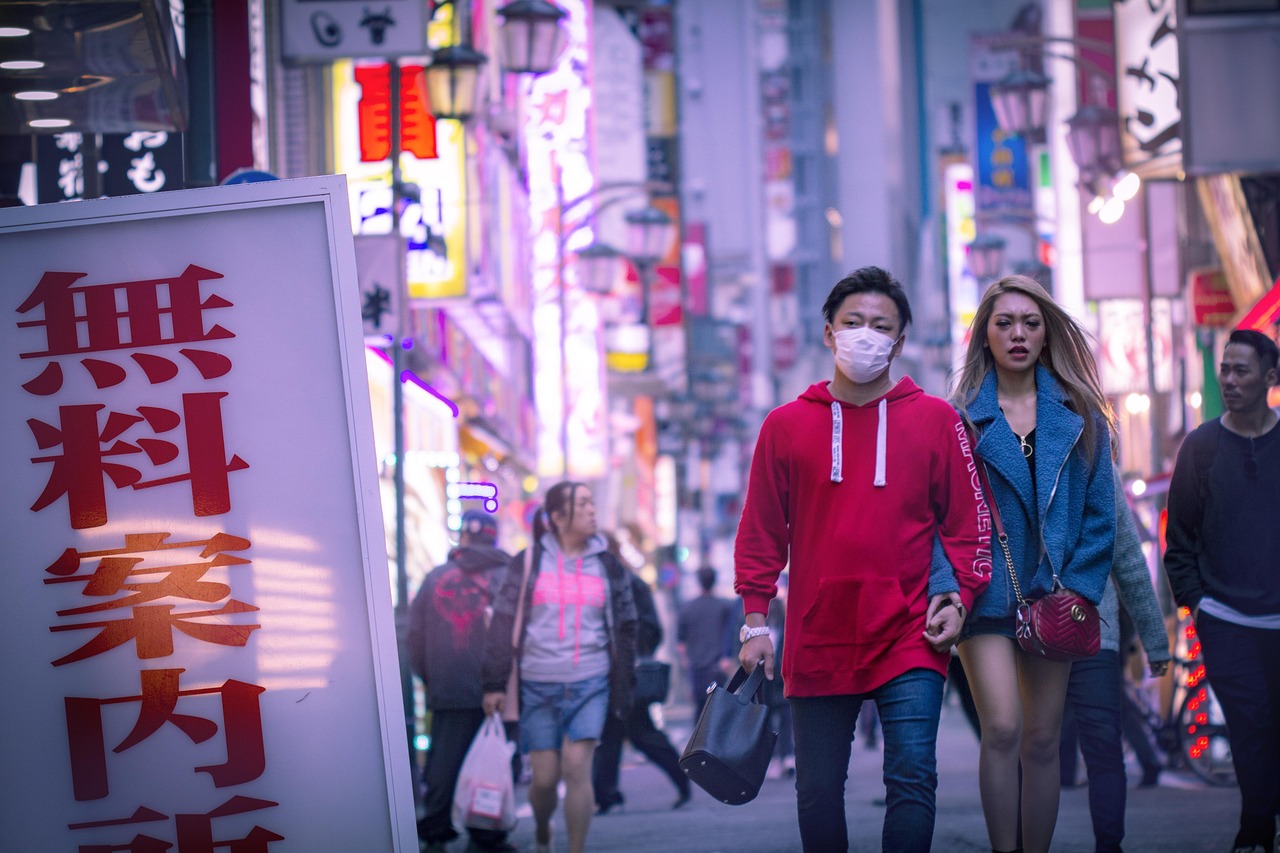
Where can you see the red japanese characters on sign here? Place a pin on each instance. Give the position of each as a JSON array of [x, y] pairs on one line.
[[79, 320], [137, 593]]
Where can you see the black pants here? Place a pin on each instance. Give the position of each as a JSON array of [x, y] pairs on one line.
[[1243, 665], [644, 736], [451, 734], [1092, 713]]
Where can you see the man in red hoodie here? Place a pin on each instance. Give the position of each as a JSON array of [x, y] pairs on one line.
[[849, 485]]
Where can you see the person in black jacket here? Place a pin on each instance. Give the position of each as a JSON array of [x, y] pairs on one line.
[[638, 725], [447, 622], [1221, 563]]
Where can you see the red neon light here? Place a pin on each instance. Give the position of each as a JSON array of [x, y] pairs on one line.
[[417, 125], [1265, 314]]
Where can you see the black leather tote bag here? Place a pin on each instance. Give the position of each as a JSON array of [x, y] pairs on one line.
[[729, 751]]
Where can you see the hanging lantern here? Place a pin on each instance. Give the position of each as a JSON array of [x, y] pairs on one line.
[[650, 234], [1093, 137], [1020, 101], [598, 267], [453, 81], [532, 36], [986, 256]]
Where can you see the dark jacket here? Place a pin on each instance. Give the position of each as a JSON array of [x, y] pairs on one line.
[[447, 625], [649, 628], [620, 619]]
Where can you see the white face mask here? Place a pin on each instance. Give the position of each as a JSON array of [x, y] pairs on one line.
[[862, 354]]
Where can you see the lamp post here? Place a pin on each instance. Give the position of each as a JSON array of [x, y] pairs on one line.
[[453, 77], [595, 260], [532, 36]]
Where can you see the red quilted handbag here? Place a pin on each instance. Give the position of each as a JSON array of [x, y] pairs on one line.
[[1060, 626], [1063, 625]]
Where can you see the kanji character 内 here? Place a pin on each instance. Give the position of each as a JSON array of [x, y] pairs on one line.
[[242, 730]]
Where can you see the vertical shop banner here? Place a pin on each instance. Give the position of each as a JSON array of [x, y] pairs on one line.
[[196, 615], [1002, 183], [1147, 88]]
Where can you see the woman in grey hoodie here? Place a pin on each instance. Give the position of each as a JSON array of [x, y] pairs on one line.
[[570, 615]]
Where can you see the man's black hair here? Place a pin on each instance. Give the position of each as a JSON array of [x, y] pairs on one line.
[[1268, 352], [707, 578], [868, 280]]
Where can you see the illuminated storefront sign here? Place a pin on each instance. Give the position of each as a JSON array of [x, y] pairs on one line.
[[434, 225], [962, 287]]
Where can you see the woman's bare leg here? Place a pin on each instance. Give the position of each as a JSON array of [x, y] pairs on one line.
[[990, 663], [1044, 694], [579, 800], [544, 766]]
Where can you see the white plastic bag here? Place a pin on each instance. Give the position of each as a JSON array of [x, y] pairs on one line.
[[485, 797]]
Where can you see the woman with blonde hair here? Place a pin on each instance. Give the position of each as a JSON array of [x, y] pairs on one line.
[[1030, 394], [567, 620]]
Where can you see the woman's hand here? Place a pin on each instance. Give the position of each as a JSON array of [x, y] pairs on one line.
[[493, 703]]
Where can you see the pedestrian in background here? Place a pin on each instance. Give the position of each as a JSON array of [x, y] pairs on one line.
[[1221, 561], [704, 632], [1096, 686], [575, 651], [447, 623], [637, 726], [849, 485], [1029, 390]]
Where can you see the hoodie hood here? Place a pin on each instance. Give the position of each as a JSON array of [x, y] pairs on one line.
[[820, 393], [478, 558], [595, 545]]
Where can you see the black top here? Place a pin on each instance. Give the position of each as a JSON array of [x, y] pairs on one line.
[[1223, 539]]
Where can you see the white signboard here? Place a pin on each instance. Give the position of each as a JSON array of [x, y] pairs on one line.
[[324, 30], [195, 608]]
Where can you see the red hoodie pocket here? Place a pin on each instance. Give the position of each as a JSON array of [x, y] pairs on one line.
[[856, 613]]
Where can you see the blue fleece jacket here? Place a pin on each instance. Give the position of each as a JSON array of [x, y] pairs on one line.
[[1065, 526]]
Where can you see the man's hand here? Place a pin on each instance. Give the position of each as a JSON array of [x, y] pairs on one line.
[[493, 703], [1158, 668], [758, 649], [943, 621]]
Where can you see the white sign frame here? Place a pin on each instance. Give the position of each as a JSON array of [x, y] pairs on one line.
[[335, 766], [325, 30]]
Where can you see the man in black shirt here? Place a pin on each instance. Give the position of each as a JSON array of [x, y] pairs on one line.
[[1223, 547], [704, 628]]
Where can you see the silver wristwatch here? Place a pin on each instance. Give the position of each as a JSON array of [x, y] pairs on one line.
[[747, 632]]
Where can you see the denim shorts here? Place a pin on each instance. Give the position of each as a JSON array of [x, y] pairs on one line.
[[552, 711], [1001, 626]]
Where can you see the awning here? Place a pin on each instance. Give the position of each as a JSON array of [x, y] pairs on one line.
[[113, 65]]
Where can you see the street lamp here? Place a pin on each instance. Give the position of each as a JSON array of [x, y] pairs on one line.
[[532, 36], [453, 77], [986, 257]]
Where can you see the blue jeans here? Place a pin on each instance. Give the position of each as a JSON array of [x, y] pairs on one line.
[[909, 707], [1093, 706]]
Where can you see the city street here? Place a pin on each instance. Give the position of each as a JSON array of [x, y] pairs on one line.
[[1182, 814]]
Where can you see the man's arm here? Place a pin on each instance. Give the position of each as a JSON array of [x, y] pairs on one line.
[[760, 550], [1182, 534]]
